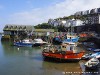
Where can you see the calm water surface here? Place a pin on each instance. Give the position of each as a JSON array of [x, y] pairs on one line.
[[29, 61]]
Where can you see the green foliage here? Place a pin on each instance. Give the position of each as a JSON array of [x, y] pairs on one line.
[[44, 26], [47, 26], [62, 29], [81, 17]]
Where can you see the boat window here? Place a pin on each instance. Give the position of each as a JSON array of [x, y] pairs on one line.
[[63, 46], [92, 64], [94, 61]]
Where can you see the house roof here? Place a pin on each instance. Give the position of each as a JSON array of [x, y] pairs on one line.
[[12, 27]]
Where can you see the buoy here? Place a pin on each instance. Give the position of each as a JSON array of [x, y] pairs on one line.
[[18, 49]]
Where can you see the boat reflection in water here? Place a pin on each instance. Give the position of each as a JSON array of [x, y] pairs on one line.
[[61, 68], [30, 42]]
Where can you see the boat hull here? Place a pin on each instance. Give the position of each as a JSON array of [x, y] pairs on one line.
[[38, 44], [71, 40], [93, 67], [64, 56], [23, 44]]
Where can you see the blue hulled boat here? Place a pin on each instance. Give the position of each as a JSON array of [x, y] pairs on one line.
[[71, 38], [25, 42]]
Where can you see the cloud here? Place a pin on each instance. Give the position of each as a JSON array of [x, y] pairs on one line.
[[40, 15]]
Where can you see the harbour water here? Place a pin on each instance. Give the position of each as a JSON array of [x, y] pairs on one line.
[[29, 61]]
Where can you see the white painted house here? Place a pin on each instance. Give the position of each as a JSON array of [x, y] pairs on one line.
[[73, 22], [77, 22]]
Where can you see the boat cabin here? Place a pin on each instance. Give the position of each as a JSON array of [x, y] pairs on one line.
[[66, 47], [27, 40], [60, 48]]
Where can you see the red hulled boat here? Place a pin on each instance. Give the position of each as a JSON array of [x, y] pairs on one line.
[[62, 52]]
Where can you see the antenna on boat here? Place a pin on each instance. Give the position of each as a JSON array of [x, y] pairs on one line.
[[72, 24]]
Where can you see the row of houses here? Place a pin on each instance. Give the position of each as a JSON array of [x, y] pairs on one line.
[[66, 23], [91, 17], [91, 20], [88, 12]]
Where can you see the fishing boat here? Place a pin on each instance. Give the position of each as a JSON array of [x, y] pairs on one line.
[[71, 38], [92, 63], [38, 42], [62, 52], [25, 42]]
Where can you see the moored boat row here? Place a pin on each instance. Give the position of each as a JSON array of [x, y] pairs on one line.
[[66, 51], [93, 56], [29, 42]]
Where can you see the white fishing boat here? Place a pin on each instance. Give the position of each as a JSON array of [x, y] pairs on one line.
[[38, 42], [92, 63]]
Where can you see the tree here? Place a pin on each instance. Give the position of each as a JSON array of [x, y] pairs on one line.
[[44, 26]]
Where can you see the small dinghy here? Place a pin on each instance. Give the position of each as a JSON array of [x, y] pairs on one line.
[[90, 55], [93, 49], [88, 44], [86, 56], [98, 56], [90, 49], [96, 50], [92, 63], [38, 42]]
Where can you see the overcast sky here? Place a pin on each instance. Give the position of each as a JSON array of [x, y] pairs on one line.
[[33, 12]]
